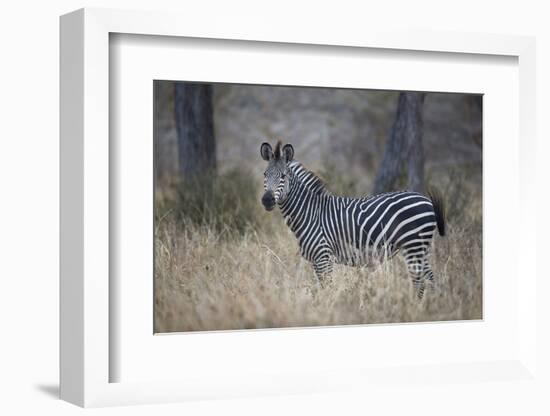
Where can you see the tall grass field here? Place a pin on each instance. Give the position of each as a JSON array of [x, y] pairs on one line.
[[223, 263]]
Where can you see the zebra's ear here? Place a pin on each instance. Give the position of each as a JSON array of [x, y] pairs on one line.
[[266, 151], [288, 152]]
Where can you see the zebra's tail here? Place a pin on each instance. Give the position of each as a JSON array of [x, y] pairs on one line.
[[439, 210]]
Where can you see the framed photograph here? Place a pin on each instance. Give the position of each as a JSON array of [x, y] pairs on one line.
[[281, 213]]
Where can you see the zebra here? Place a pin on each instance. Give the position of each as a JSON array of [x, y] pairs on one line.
[[351, 231]]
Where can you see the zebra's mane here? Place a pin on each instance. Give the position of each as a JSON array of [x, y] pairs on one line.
[[314, 183]]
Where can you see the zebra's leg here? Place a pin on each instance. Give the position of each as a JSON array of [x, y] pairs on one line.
[[415, 265], [418, 281], [427, 271], [323, 269]]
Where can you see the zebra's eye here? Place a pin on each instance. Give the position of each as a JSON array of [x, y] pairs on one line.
[[283, 176]]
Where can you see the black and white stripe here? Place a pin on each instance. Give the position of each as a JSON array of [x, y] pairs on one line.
[[357, 231]]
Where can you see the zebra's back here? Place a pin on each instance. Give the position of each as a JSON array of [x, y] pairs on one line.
[[359, 230]]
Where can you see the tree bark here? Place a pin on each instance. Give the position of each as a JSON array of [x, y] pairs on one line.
[[194, 118], [474, 111], [404, 146]]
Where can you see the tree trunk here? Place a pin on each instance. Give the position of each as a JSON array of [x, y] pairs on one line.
[[474, 111], [195, 126], [404, 146]]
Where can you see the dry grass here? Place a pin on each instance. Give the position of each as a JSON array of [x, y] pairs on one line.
[[207, 280]]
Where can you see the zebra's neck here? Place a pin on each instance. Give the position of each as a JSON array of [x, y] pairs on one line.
[[303, 202]]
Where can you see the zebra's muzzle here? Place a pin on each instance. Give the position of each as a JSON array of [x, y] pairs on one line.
[[268, 201]]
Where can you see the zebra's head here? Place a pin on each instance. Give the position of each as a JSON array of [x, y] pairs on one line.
[[276, 183]]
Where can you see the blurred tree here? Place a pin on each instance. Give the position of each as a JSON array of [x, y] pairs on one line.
[[474, 112], [194, 119], [404, 146]]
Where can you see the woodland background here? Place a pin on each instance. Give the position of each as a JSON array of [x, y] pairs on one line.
[[222, 262]]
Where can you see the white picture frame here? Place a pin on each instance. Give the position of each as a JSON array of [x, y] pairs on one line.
[[86, 355]]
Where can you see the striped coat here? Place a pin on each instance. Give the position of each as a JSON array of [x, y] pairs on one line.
[[357, 231]]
